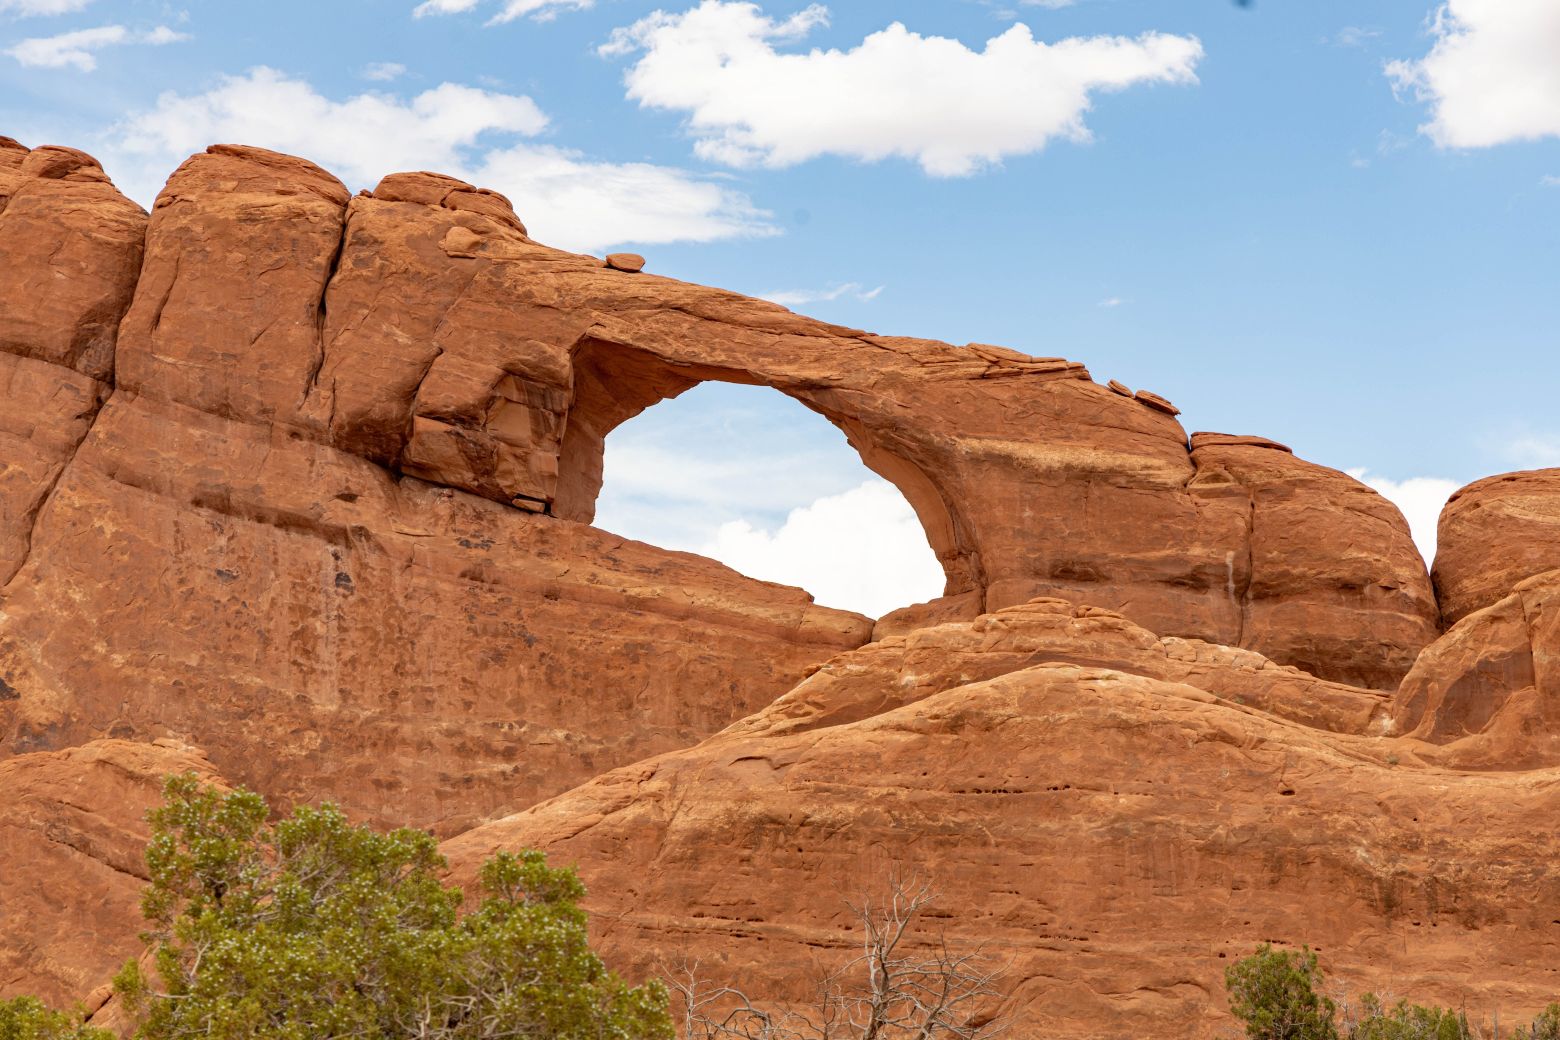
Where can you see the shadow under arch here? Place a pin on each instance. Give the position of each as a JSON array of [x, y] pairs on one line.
[[614, 382]]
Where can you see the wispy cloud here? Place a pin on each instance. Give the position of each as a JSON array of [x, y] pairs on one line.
[[42, 7], [798, 297], [1112, 302], [383, 71], [79, 49], [1354, 36], [1549, 180], [509, 10], [1534, 450]]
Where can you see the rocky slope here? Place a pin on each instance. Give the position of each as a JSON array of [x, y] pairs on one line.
[[1115, 818], [296, 490]]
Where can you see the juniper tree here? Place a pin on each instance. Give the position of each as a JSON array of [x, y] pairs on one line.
[[312, 928]]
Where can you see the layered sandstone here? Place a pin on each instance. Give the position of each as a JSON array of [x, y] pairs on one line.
[[325, 629], [72, 254], [1115, 836], [1488, 691], [72, 865], [211, 565]]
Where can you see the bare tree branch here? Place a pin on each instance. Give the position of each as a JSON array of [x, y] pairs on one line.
[[891, 990]]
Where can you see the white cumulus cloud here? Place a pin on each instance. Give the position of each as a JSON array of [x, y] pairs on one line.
[[929, 99], [1420, 498], [565, 198], [1492, 75], [510, 10], [79, 48], [861, 550], [750, 477]]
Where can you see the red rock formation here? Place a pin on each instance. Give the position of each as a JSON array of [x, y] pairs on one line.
[[305, 480], [1118, 837], [324, 629], [72, 866], [72, 253], [1489, 690], [72, 256], [1309, 597], [269, 538], [1494, 533], [209, 567]]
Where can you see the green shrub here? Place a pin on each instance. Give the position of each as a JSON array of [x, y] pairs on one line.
[[1545, 1027], [1405, 1021], [1274, 993], [25, 1018], [313, 928]]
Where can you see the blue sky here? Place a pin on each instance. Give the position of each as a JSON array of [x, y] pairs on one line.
[[1333, 223]]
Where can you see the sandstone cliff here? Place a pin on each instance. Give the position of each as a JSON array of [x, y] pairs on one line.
[[296, 489]]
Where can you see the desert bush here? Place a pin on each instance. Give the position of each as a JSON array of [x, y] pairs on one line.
[[313, 928], [1405, 1021], [1545, 1027], [26, 1018], [1274, 993]]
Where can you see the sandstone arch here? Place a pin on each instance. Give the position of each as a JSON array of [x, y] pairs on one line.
[[614, 382]]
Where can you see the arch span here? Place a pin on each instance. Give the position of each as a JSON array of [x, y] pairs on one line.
[[614, 383]]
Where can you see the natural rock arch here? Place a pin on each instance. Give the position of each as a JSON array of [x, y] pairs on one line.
[[614, 383]]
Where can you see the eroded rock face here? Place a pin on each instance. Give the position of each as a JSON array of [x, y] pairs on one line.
[[1493, 534], [72, 251], [206, 564], [899, 670], [1489, 690], [306, 519], [1309, 595], [419, 328], [305, 479], [70, 254], [326, 630], [72, 865], [1117, 838]]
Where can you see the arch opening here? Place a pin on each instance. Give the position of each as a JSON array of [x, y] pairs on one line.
[[756, 476]]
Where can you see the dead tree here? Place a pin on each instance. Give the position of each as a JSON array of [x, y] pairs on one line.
[[894, 989]]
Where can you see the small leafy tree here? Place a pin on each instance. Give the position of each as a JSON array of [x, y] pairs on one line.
[[1274, 994], [315, 929], [27, 1018]]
